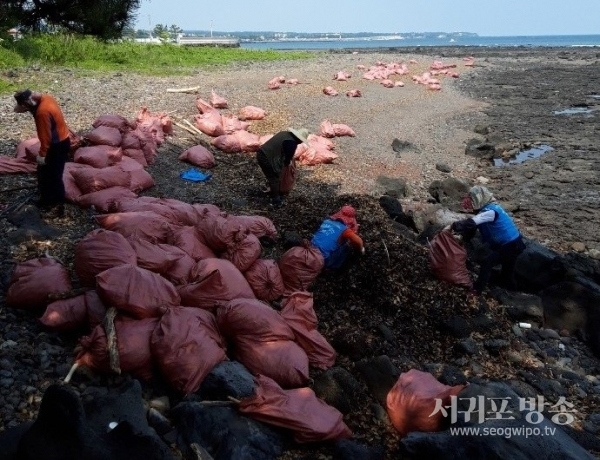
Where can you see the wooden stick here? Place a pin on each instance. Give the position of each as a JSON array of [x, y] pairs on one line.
[[111, 339], [71, 372], [193, 89], [184, 127], [192, 127], [232, 399], [387, 253]]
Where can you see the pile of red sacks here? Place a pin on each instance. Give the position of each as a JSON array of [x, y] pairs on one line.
[[186, 283], [108, 161]]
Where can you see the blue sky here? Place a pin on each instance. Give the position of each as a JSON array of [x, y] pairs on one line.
[[484, 17]]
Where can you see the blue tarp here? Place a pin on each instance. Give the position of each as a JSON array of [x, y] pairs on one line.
[[195, 176]]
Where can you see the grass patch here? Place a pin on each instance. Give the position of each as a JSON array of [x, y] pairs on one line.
[[89, 53]]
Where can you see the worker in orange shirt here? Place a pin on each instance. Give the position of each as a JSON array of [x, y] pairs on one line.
[[337, 237], [53, 134]]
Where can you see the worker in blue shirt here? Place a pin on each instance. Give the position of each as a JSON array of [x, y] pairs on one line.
[[497, 230]]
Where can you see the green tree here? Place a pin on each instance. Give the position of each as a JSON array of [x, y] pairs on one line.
[[104, 19], [174, 30], [161, 31]]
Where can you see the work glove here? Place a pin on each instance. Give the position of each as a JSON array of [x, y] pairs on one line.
[[41, 161]]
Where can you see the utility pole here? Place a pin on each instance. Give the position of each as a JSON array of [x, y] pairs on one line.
[[211, 27]]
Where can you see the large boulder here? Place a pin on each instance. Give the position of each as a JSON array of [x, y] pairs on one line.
[[480, 150], [537, 268], [224, 433], [63, 430], [546, 440], [449, 192], [575, 308]]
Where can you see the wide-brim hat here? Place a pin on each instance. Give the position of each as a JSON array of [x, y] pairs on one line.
[[301, 134]]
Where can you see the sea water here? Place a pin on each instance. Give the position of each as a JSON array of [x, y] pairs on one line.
[[395, 41]]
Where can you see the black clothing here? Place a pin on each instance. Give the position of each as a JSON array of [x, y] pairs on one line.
[[50, 175], [506, 255], [275, 154]]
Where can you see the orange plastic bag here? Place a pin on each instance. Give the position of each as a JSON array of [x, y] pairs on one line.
[[412, 401], [448, 260], [33, 280], [308, 417]]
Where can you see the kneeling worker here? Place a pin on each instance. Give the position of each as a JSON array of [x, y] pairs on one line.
[[336, 238], [497, 230]]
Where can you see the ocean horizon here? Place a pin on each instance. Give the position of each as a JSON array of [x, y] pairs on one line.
[[398, 41]]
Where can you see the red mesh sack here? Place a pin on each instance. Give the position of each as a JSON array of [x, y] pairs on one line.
[[186, 213], [186, 346], [146, 203], [257, 225], [214, 282], [228, 143], [65, 315], [264, 278], [180, 271], [252, 319], [288, 178], [263, 342], [113, 121], [140, 180], [104, 200], [153, 257], [32, 281], [95, 308], [104, 135], [298, 312], [28, 149], [210, 124], [135, 291], [100, 250], [282, 360], [91, 179], [412, 401], [218, 102], [300, 266], [448, 260], [98, 156], [72, 191], [10, 165], [188, 239], [249, 142], [146, 225], [251, 113], [131, 141], [308, 417], [137, 155], [133, 345], [221, 231], [200, 156], [243, 252], [343, 130]]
